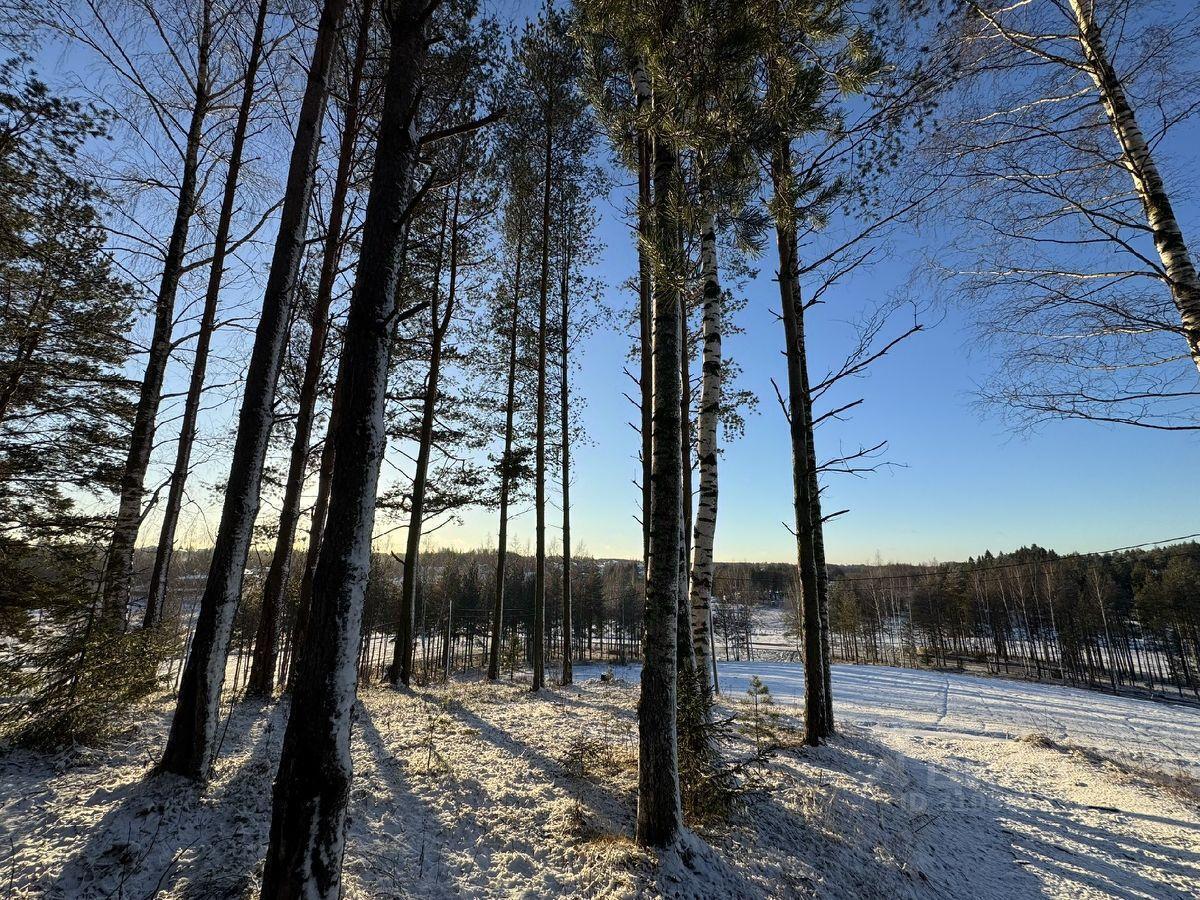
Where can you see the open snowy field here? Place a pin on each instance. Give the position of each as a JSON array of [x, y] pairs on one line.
[[934, 788]]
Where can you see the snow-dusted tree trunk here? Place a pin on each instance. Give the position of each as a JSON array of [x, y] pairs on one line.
[[1137, 159], [539, 454], [659, 816], [118, 566], [800, 429], [266, 640], [192, 739], [506, 466], [316, 532], [156, 598], [564, 410], [312, 788], [703, 566], [401, 669]]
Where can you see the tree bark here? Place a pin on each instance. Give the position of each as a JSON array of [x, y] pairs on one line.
[[703, 565], [156, 598], [565, 425], [658, 814], [799, 422], [818, 533], [192, 739], [118, 566], [539, 572], [685, 656], [266, 641], [1147, 182], [645, 151], [312, 789], [506, 465]]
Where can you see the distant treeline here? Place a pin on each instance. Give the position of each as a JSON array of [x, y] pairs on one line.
[[1128, 619], [1121, 620]]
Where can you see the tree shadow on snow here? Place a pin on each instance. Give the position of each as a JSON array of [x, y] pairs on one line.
[[958, 833], [402, 844], [161, 831], [858, 819]]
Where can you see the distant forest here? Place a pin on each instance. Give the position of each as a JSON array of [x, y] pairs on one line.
[[1116, 621]]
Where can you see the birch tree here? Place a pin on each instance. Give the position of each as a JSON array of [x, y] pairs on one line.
[[1059, 126]]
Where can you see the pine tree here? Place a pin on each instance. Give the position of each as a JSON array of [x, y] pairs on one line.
[[192, 739], [262, 671], [119, 564], [312, 788], [157, 594]]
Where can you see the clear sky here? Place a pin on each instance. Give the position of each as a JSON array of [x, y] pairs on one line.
[[960, 483]]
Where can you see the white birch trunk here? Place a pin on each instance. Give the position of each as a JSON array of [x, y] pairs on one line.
[[1147, 182], [703, 566]]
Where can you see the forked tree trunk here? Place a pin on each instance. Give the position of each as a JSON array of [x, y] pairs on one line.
[[659, 817], [565, 425], [539, 568], [799, 425], [703, 566], [1147, 182], [118, 565], [401, 669], [192, 739], [157, 595], [266, 640], [312, 788], [506, 466]]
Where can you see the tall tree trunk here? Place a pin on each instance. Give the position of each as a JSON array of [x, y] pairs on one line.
[[802, 456], [118, 566], [703, 565], [685, 655], [658, 814], [645, 152], [192, 739], [539, 569], [1138, 160], [266, 641], [316, 531], [156, 598], [565, 424], [312, 787], [818, 533], [401, 669], [506, 466]]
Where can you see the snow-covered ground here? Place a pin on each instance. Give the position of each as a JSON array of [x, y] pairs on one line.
[[1162, 735], [934, 788]]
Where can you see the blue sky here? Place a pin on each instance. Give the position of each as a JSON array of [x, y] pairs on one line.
[[961, 483]]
